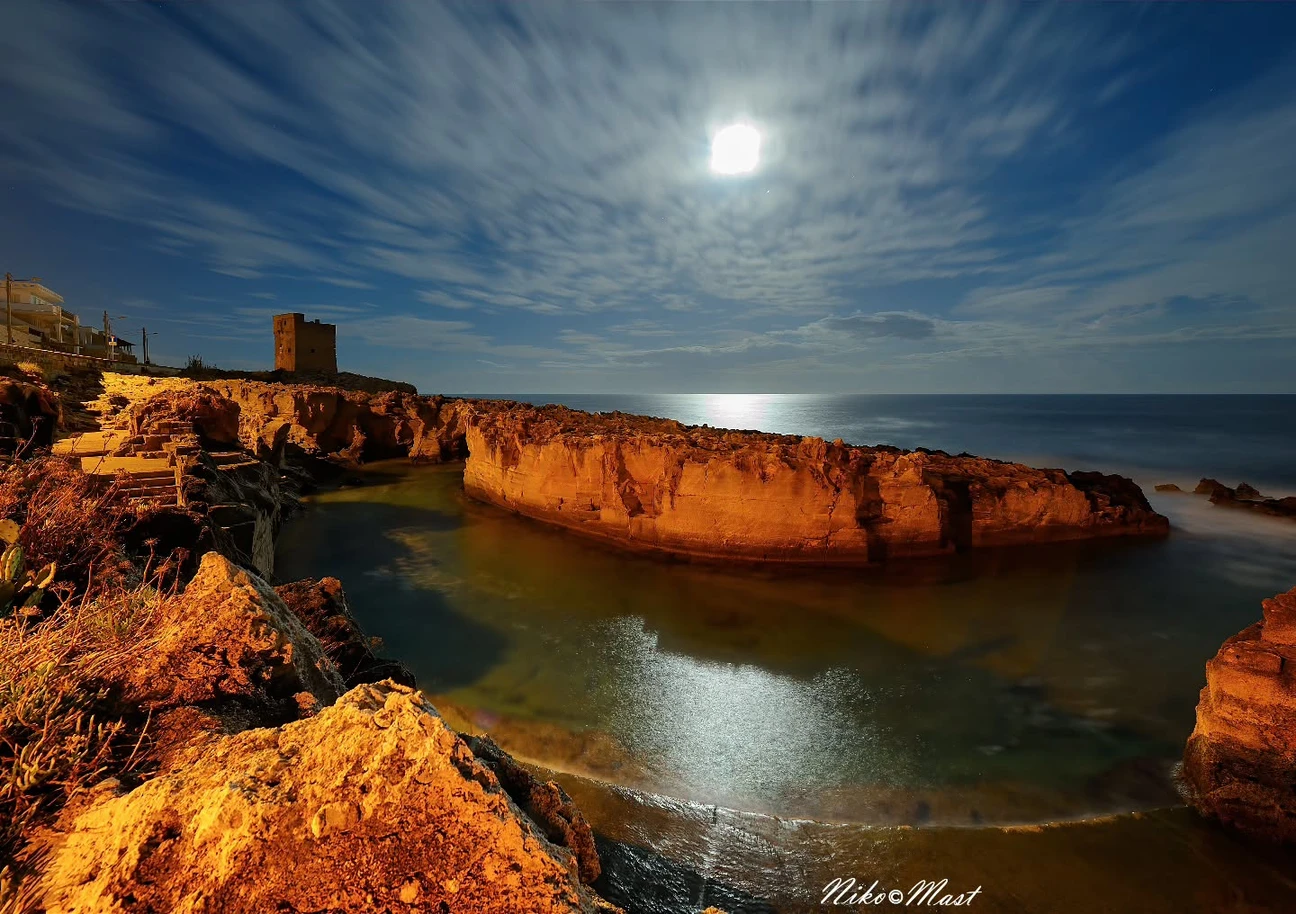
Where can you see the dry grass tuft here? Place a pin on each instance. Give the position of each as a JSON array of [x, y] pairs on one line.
[[61, 728], [71, 519]]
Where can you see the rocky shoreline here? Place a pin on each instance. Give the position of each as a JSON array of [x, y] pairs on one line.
[[273, 751], [246, 749], [657, 485]]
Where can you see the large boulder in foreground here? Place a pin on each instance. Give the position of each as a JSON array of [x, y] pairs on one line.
[[657, 484], [230, 646], [1240, 763], [372, 805]]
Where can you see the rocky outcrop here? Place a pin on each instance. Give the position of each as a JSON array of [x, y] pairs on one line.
[[322, 607], [1247, 497], [265, 791], [372, 805], [657, 484], [660, 485], [230, 646], [244, 502], [1240, 763], [29, 416], [353, 424], [211, 417], [545, 802]]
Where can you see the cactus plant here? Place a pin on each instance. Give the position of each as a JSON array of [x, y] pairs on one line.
[[19, 586]]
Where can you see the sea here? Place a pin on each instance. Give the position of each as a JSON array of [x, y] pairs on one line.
[[743, 736]]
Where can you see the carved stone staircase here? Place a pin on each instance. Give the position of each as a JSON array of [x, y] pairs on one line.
[[150, 467]]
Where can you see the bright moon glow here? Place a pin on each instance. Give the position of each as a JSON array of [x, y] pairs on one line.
[[735, 150]]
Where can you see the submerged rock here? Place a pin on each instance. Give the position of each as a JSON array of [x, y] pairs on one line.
[[1240, 762], [1168, 487], [372, 805]]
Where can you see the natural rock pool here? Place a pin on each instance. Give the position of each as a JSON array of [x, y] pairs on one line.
[[761, 726]]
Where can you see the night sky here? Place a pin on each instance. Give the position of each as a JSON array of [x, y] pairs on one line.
[[948, 197]]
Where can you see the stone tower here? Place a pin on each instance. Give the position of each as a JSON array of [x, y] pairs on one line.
[[302, 345]]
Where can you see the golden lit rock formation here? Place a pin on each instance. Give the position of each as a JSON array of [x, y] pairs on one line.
[[1240, 763], [374, 805], [658, 484], [268, 792]]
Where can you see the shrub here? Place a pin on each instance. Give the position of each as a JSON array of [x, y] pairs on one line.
[[69, 519]]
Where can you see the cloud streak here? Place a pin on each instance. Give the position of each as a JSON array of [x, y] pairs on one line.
[[528, 186]]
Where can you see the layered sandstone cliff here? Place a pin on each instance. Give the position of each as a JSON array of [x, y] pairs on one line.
[[1240, 762], [658, 484]]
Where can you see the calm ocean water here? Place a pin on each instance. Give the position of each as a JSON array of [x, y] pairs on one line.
[[756, 726]]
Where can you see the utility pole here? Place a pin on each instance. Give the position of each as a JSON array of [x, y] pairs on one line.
[[144, 333], [9, 306], [108, 347]]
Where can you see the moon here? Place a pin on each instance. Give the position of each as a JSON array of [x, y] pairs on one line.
[[735, 150]]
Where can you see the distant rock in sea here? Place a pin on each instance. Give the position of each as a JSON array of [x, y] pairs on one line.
[[1245, 496]]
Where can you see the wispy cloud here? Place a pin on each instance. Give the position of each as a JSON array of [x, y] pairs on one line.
[[542, 171]]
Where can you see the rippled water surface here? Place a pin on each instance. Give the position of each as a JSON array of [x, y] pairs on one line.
[[1024, 687]]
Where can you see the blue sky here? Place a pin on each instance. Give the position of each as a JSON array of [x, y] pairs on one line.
[[951, 198]]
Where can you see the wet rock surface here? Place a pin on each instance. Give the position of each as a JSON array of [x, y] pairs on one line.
[[1240, 762], [1247, 497]]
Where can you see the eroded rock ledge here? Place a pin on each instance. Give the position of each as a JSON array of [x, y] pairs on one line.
[[1240, 762], [658, 484]]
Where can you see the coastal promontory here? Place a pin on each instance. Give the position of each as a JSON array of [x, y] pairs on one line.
[[660, 485]]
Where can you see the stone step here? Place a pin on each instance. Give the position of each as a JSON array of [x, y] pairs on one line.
[[134, 465], [164, 474], [88, 444], [152, 500]]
